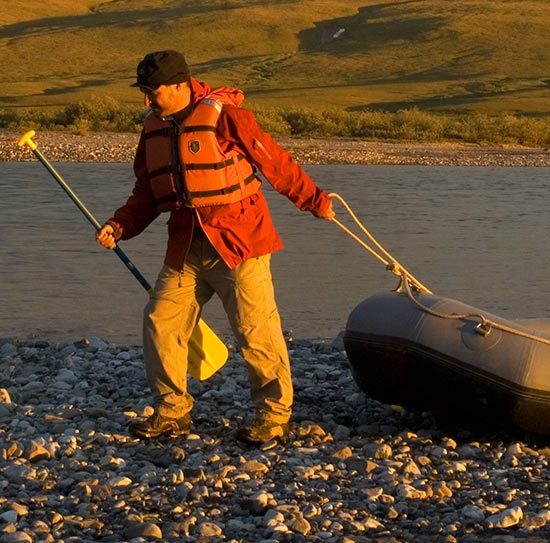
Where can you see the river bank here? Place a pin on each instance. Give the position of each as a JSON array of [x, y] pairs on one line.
[[115, 147], [353, 470]]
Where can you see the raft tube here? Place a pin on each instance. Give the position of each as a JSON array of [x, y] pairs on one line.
[[401, 354]]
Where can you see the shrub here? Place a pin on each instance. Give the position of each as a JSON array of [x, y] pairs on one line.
[[370, 124], [273, 122], [99, 114], [106, 114], [414, 124]]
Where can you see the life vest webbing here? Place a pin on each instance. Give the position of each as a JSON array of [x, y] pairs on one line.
[[213, 165], [197, 128], [226, 190], [168, 130], [168, 198], [171, 168], [165, 131]]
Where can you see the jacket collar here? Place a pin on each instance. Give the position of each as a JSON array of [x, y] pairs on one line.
[[199, 91], [227, 95]]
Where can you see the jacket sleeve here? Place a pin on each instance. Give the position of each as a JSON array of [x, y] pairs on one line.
[[239, 126], [140, 209]]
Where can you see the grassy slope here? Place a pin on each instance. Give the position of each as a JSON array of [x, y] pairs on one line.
[[476, 54]]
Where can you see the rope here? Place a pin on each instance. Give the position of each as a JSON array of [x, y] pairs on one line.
[[391, 263], [484, 325]]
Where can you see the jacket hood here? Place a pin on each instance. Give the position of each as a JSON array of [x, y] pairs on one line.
[[227, 95]]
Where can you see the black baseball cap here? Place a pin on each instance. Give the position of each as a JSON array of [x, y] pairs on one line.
[[161, 68]]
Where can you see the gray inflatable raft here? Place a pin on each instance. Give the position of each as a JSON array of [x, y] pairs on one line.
[[405, 354]]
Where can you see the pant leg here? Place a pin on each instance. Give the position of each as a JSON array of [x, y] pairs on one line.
[[248, 298], [168, 322]]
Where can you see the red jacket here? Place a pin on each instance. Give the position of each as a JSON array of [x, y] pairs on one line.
[[237, 231]]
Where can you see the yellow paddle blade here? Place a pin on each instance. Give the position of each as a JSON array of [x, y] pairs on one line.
[[207, 352]]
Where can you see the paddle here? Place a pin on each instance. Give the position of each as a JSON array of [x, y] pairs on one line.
[[207, 353]]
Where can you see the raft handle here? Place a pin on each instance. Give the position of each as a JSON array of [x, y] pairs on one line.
[[483, 328]]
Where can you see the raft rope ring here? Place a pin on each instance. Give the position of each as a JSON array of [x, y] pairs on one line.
[[408, 282]]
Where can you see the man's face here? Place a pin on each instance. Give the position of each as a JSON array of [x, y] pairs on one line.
[[166, 100]]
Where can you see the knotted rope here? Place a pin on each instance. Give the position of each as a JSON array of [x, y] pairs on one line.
[[484, 324]]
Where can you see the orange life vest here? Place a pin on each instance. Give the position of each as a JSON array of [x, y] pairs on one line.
[[186, 165]]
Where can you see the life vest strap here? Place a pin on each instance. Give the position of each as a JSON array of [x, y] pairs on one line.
[[164, 131], [165, 169], [197, 128], [212, 165], [168, 198], [171, 168], [217, 192]]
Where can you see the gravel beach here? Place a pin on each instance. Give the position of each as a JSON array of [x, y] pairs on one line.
[[112, 147], [353, 470]]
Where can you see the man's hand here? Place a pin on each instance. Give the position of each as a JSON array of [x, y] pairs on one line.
[[327, 214], [106, 236]]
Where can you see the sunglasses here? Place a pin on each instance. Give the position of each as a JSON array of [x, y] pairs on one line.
[[148, 90]]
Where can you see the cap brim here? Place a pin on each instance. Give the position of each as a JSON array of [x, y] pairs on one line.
[[143, 86], [174, 80]]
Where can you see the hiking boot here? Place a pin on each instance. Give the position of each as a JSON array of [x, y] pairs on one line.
[[263, 430], [157, 425]]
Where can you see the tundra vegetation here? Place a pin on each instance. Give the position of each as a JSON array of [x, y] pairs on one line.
[[424, 70]]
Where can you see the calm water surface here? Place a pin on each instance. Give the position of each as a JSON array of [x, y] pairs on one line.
[[479, 235]]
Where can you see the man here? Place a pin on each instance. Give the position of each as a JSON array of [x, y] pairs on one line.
[[197, 158]]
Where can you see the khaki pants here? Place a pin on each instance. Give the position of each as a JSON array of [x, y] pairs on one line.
[[248, 299]]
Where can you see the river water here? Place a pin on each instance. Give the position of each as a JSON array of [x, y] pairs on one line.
[[479, 235]]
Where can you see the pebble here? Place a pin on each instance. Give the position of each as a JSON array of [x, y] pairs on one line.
[[146, 530], [352, 470]]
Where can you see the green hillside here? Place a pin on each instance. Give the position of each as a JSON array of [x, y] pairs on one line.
[[484, 55]]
